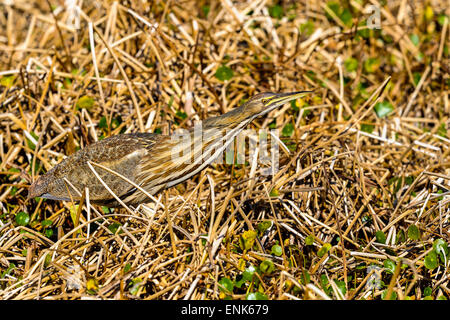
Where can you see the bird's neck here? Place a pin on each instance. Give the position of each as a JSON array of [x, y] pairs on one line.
[[229, 120]]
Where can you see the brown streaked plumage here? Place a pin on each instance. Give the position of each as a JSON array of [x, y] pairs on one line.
[[148, 159]]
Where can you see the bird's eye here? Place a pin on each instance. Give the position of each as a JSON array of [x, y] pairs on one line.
[[264, 101]]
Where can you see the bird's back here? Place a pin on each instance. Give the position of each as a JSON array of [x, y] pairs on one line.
[[123, 154]]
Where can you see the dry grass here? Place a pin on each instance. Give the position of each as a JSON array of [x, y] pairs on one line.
[[348, 175]]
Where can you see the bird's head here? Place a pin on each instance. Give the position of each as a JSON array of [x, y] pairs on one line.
[[265, 102], [259, 104], [50, 186]]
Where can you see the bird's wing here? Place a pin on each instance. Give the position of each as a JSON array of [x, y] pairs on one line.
[[111, 162]]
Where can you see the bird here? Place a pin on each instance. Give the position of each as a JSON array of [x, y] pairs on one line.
[[121, 167]]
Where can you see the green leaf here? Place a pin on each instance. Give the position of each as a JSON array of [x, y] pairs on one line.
[[46, 223], [31, 144], [324, 281], [256, 296], [247, 275], [431, 260], [393, 295], [135, 285], [288, 130], [367, 127], [441, 248], [351, 64], [371, 65], [182, 115], [409, 180], [364, 32], [85, 102], [414, 39], [115, 122], [103, 124], [127, 268], [334, 6], [8, 271], [105, 209], [380, 236], [341, 286], [305, 277], [14, 170], [77, 72], [389, 265], [171, 100], [294, 105], [346, 17], [267, 266], [420, 56], [226, 285], [274, 193], [277, 250], [224, 73], [309, 240], [22, 218], [413, 232], [263, 226], [307, 27], [427, 291], [13, 191], [325, 248], [113, 227], [7, 81], [441, 19], [205, 10], [239, 283], [382, 109], [247, 239], [442, 131], [276, 11], [343, 13], [49, 233], [416, 77], [47, 260]]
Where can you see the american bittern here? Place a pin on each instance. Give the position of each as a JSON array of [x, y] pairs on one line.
[[147, 159]]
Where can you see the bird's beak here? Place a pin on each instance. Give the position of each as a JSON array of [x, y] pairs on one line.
[[282, 98], [51, 197]]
